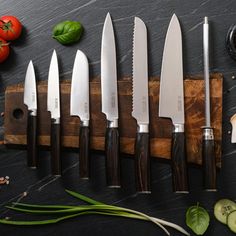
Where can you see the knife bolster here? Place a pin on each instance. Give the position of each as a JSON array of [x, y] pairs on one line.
[[84, 123], [33, 112], [56, 121], [178, 128], [112, 124], [208, 133], [143, 128]]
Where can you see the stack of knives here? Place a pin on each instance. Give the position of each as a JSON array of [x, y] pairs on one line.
[[171, 105]]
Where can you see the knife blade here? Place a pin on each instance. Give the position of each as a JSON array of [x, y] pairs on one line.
[[53, 106], [79, 101], [208, 146], [109, 99], [141, 106], [30, 100], [171, 102]]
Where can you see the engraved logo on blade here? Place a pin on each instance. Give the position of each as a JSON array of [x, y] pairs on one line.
[[113, 100], [144, 104], [86, 108], [180, 105], [56, 103], [33, 97]]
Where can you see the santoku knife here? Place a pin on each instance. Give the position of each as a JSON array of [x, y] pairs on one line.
[[79, 106], [30, 100], [208, 146], [171, 102], [53, 106], [141, 106], [110, 102]]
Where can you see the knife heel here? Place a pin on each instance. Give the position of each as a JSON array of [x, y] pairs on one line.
[[142, 163], [209, 160], [84, 168], [55, 148], [179, 162], [112, 145], [32, 140]]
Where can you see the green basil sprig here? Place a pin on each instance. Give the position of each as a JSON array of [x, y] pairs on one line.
[[68, 32], [197, 219]]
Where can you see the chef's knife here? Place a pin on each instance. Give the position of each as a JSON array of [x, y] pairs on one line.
[[53, 106], [208, 146], [30, 100], [171, 102], [141, 106], [79, 106], [110, 102]]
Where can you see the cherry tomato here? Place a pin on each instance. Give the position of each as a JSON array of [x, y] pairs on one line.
[[10, 27], [4, 50]]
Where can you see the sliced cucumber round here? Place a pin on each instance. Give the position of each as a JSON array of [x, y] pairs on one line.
[[231, 221], [223, 208]]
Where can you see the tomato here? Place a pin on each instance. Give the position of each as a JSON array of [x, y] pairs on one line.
[[10, 27], [4, 50]]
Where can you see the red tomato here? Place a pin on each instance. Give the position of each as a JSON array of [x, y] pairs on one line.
[[4, 50], [10, 27]]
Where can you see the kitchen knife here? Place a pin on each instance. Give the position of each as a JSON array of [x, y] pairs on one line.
[[110, 102], [79, 106], [171, 102], [53, 106], [208, 146], [141, 106], [30, 100]]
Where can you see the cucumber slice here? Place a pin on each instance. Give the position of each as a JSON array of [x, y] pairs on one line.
[[231, 221], [223, 208]]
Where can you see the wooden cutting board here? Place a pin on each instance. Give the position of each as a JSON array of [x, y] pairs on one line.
[[160, 128]]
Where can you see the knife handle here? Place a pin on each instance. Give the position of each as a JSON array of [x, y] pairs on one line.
[[112, 145], [142, 163], [55, 148], [32, 140], [84, 152], [209, 159], [179, 162]]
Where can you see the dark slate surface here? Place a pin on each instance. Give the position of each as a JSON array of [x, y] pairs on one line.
[[38, 18]]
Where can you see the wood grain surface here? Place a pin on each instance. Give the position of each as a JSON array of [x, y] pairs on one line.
[[160, 128]]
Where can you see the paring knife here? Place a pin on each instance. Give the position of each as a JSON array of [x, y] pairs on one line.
[[53, 106], [208, 146], [79, 106], [30, 100], [171, 102], [141, 106], [110, 102]]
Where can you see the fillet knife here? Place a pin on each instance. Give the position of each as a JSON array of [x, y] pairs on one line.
[[30, 100], [53, 106], [110, 103], [79, 106], [171, 102], [141, 106], [208, 146]]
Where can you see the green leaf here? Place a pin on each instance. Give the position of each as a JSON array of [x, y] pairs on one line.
[[197, 218], [68, 32], [34, 206]]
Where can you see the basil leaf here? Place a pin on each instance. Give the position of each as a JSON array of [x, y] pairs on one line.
[[68, 32], [197, 219]]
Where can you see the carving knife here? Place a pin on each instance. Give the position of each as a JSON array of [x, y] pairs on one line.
[[171, 102], [53, 106], [208, 147], [141, 106], [110, 102], [79, 106], [30, 100]]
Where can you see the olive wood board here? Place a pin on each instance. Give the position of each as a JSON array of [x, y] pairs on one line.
[[15, 118]]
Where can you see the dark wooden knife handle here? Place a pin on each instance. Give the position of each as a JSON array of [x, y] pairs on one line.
[[179, 163], [112, 145], [55, 149], [32, 141], [142, 163], [209, 162], [84, 152]]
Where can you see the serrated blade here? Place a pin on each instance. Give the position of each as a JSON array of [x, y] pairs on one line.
[[171, 101], [109, 71], [140, 73], [53, 99], [79, 99], [30, 93]]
